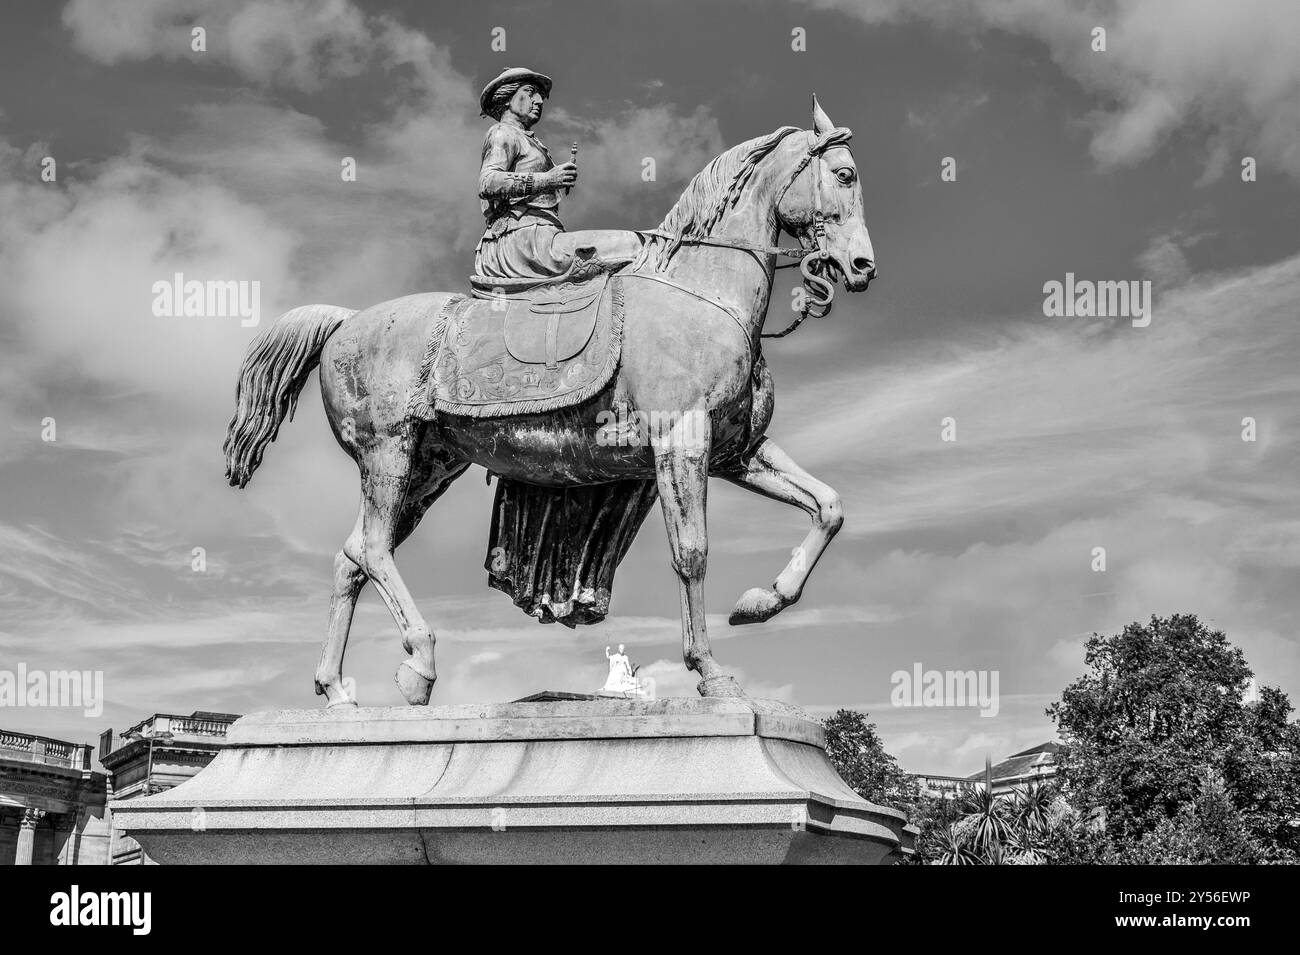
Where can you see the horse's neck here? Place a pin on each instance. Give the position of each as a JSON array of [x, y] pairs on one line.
[[739, 278]]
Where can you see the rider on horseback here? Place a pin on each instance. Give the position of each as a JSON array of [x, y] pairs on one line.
[[519, 186]]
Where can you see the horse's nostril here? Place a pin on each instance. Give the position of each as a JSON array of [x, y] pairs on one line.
[[863, 264]]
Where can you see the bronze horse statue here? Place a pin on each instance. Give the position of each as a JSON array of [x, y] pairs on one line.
[[695, 301]]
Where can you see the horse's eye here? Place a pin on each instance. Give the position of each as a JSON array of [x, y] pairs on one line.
[[845, 175]]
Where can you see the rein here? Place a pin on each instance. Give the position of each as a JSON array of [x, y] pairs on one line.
[[819, 293]]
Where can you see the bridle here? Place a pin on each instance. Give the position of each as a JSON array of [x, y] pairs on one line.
[[818, 292]]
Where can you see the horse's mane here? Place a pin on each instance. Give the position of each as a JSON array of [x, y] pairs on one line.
[[714, 188]]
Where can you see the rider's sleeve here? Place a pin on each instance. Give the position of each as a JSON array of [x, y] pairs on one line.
[[497, 179]]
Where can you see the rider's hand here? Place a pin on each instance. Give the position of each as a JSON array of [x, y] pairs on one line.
[[564, 176]]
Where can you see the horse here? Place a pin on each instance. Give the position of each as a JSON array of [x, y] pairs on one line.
[[695, 302]]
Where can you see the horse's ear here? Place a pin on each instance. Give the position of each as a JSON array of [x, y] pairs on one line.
[[821, 122]]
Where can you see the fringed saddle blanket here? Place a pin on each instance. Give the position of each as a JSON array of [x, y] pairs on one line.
[[494, 357]]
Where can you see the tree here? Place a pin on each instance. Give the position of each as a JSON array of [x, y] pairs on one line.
[[988, 823], [1158, 739], [951, 848], [1207, 831], [856, 752], [1032, 807], [937, 842], [974, 829], [1016, 828], [1263, 775]]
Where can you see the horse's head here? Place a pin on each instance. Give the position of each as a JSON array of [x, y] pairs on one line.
[[822, 204]]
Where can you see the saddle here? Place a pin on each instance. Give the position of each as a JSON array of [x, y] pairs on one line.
[[522, 346]]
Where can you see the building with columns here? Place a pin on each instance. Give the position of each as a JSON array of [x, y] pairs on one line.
[[52, 803], [154, 755]]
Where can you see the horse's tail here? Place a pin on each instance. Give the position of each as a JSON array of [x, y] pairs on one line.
[[274, 371]]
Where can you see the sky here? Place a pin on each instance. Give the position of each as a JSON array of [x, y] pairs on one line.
[[975, 554]]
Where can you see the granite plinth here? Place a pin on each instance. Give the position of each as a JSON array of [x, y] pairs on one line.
[[604, 781]]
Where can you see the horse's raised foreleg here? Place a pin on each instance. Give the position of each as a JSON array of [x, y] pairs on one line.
[[771, 472], [349, 578], [682, 475]]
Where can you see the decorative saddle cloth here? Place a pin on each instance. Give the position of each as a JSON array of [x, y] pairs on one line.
[[548, 347]]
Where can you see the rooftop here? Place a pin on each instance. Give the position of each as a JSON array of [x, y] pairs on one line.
[[1030, 762]]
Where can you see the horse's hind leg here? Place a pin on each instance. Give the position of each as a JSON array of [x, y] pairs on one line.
[[349, 578], [772, 472], [400, 481]]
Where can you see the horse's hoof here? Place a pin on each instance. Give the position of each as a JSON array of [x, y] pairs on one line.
[[414, 686], [334, 695], [756, 605], [720, 686]]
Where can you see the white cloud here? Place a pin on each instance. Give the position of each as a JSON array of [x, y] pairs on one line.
[[302, 43], [1229, 70]]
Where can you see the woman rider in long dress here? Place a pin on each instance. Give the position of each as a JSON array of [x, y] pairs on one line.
[[519, 188]]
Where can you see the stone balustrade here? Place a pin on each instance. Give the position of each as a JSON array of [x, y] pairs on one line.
[[162, 724], [198, 727], [29, 748]]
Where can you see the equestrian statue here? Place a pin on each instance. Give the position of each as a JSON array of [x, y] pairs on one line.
[[590, 372]]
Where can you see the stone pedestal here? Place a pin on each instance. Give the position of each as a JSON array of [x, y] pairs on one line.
[[608, 781]]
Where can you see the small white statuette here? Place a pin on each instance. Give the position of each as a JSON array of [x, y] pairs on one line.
[[621, 680]]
